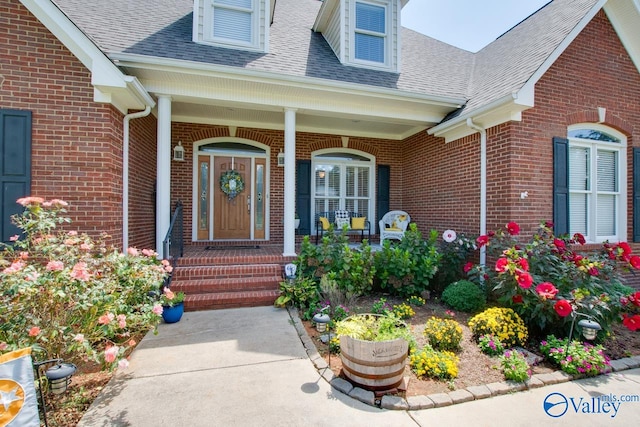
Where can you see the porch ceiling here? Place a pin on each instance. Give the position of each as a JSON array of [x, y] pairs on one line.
[[249, 99]]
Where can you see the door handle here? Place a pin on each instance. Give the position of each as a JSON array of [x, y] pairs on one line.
[[249, 204]]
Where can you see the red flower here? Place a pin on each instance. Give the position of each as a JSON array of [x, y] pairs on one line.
[[632, 322], [579, 238], [467, 267], [524, 279], [626, 249], [546, 290], [548, 224], [482, 240], [635, 299], [593, 271], [524, 264], [517, 299], [635, 261], [502, 265], [563, 308], [559, 244], [34, 331], [513, 228]]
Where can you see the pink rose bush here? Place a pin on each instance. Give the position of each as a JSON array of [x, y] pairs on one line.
[[547, 278], [68, 295]]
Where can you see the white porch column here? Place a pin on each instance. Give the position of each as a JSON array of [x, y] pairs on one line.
[[163, 173], [289, 182]]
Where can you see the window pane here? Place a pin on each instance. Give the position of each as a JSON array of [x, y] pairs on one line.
[[232, 24], [334, 182], [579, 162], [593, 135], [370, 17], [607, 170], [578, 213], [351, 184], [370, 48], [363, 182], [606, 222], [321, 180]]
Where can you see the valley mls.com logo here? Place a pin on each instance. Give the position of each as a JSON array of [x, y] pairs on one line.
[[556, 405]]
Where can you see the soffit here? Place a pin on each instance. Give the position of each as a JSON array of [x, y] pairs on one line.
[[260, 102]]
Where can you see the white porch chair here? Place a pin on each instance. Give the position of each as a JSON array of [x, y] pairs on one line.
[[393, 225]]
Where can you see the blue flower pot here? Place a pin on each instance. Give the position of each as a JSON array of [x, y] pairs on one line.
[[172, 314]]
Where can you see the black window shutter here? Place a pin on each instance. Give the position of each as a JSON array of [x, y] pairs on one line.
[[636, 194], [560, 185], [303, 195], [15, 167], [382, 202]]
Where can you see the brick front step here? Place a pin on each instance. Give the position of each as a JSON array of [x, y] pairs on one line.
[[184, 273], [219, 300], [227, 284], [235, 260]]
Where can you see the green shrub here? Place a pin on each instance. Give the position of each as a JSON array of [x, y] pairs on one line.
[[490, 345], [443, 334], [576, 358], [352, 269], [403, 311], [405, 268], [546, 278], [514, 366], [464, 296], [69, 295], [502, 323], [431, 363], [302, 293], [454, 255]]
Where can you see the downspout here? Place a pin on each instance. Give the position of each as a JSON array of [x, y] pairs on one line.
[[483, 185], [125, 173]]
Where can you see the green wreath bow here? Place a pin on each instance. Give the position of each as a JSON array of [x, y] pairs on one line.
[[231, 183]]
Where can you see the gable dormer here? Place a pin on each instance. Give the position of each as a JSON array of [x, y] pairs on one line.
[[238, 24], [363, 33]]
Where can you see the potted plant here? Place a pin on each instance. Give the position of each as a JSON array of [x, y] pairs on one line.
[[374, 349], [172, 305]]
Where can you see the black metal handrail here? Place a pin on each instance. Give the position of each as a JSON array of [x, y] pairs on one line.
[[173, 243]]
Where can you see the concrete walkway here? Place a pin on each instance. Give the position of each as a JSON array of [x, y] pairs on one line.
[[248, 367]]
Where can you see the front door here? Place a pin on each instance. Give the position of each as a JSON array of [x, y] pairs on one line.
[[232, 216]]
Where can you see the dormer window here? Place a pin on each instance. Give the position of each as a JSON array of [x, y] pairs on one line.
[[233, 20], [370, 32], [363, 33], [232, 23]]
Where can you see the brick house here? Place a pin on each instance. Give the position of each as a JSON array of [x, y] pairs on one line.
[[319, 105]]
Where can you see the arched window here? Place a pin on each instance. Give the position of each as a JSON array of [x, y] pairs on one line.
[[343, 179], [597, 183]]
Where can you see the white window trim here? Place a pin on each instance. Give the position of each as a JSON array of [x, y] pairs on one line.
[[208, 37], [621, 149], [387, 36], [315, 160]]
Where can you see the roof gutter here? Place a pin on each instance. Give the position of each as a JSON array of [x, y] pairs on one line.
[[483, 185], [462, 119]]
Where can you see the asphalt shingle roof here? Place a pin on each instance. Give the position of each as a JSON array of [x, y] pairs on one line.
[[163, 28]]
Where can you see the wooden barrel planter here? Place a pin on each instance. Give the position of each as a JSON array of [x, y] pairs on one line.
[[374, 365]]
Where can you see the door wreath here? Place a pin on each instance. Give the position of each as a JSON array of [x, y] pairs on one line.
[[231, 183]]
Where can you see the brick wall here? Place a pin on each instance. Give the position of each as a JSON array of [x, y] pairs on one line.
[[142, 179], [76, 143]]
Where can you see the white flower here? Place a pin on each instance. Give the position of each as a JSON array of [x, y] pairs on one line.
[[449, 236]]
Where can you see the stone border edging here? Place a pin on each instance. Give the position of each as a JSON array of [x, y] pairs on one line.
[[438, 400]]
